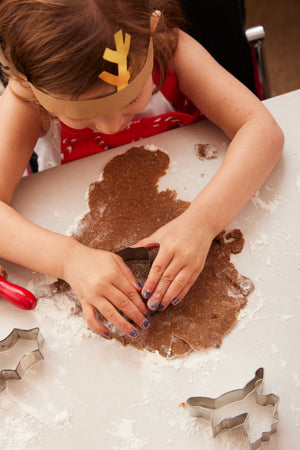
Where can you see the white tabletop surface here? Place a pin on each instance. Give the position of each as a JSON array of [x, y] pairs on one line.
[[89, 393]]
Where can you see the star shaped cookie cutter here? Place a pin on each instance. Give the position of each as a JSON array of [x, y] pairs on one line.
[[205, 407], [27, 360]]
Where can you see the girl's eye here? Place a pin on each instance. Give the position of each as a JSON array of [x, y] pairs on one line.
[[135, 100]]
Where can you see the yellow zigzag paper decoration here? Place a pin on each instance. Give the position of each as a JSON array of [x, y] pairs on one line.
[[118, 56]]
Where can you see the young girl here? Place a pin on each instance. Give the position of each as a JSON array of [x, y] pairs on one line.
[[90, 67]]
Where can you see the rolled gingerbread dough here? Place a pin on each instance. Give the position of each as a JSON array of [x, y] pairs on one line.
[[124, 207]]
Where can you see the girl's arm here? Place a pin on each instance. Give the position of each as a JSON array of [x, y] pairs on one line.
[[256, 146], [100, 279], [20, 127], [257, 140]]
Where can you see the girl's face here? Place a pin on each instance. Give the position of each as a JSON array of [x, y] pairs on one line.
[[113, 122]]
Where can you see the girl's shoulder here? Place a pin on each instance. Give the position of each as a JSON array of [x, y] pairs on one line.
[[186, 47]]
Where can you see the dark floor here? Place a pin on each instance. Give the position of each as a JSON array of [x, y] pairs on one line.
[[281, 21]]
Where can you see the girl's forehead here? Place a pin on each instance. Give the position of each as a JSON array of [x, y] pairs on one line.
[[102, 90]]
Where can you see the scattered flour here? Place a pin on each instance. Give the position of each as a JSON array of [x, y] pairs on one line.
[[153, 148], [296, 379], [74, 226], [20, 421], [124, 431], [298, 182], [262, 241], [254, 305], [63, 419], [270, 206]]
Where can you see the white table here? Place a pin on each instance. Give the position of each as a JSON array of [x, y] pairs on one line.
[[89, 393]]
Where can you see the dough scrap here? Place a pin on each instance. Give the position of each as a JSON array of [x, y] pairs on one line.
[[206, 151], [126, 206], [3, 272]]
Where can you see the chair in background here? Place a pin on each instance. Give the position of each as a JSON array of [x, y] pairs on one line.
[[219, 25], [255, 37]]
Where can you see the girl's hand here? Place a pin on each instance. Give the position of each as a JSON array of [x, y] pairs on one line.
[[183, 247], [102, 281]]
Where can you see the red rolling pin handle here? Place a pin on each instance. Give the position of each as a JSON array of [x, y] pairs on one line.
[[18, 296]]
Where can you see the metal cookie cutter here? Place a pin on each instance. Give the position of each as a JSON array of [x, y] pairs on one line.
[[136, 254], [27, 360], [205, 407]]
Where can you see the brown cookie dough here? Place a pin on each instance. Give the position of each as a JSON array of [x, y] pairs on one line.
[[126, 206]]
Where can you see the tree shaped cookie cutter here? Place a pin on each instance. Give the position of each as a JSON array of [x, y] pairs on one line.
[[205, 407], [27, 360]]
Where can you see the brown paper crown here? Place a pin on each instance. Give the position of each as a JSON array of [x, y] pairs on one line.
[[119, 57], [126, 92]]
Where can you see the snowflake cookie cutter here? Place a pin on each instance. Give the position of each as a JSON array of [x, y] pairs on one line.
[[27, 360], [205, 406]]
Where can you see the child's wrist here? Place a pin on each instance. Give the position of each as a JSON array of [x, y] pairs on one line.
[[207, 218], [70, 258]]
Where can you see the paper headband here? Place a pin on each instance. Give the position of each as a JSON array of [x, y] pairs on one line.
[[126, 92]]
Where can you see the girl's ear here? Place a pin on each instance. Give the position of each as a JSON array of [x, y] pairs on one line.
[[3, 60], [155, 16]]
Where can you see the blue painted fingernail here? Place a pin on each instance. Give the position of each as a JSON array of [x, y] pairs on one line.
[[145, 324], [139, 285], [160, 307], [147, 315], [106, 334], [146, 294], [153, 305], [133, 333], [175, 301]]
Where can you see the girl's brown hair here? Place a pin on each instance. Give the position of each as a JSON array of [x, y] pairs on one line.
[[58, 44]]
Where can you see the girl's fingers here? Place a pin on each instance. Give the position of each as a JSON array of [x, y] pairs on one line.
[[125, 304], [169, 281], [127, 273], [89, 315], [113, 301], [172, 282], [158, 270], [130, 290], [112, 315], [182, 294], [174, 294]]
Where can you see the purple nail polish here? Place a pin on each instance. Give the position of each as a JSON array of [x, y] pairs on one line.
[[153, 305], [175, 301], [145, 324], [146, 294], [160, 307], [106, 334], [133, 333], [147, 315], [139, 285]]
